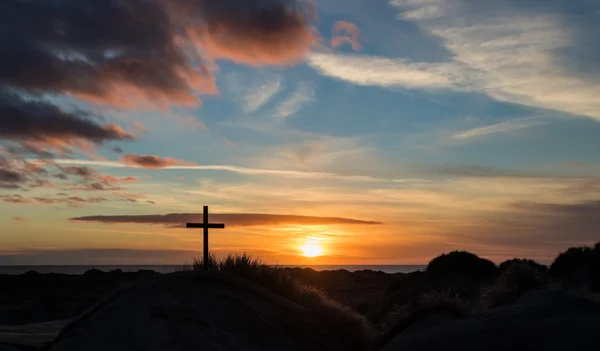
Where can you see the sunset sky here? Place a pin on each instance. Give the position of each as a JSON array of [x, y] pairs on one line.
[[415, 127]]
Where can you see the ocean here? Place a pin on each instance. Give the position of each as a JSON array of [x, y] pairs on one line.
[[13, 270]]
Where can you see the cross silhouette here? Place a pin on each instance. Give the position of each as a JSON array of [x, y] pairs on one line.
[[205, 225]]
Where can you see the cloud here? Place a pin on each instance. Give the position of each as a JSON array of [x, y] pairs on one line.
[[511, 53], [503, 127], [71, 201], [514, 49], [242, 170], [81, 171], [260, 95], [130, 180], [302, 95], [152, 162], [178, 220], [252, 32], [116, 52], [346, 33], [38, 123], [19, 219], [11, 177], [391, 73]]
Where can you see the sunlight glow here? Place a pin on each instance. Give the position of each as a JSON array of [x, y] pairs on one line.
[[312, 248]]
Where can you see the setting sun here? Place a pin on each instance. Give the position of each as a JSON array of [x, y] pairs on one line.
[[311, 249]]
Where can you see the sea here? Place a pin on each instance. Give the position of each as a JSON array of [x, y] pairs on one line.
[[15, 270]]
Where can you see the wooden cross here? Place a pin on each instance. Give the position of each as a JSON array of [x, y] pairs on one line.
[[205, 225]]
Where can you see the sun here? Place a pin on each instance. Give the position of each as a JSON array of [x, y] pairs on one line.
[[311, 250]]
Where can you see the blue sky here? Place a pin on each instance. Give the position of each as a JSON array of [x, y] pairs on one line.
[[457, 124]]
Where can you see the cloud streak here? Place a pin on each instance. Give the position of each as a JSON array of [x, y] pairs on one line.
[[302, 95], [390, 73], [257, 97], [243, 170], [503, 127], [178, 220]]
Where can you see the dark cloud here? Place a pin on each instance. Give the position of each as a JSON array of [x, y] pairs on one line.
[[234, 219], [152, 162], [589, 209], [255, 32], [96, 186], [126, 53], [118, 51], [81, 171], [10, 176], [40, 123], [72, 201], [541, 227]]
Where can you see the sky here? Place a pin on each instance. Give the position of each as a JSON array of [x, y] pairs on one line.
[[379, 132]]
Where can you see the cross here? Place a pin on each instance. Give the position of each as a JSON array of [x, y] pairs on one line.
[[205, 225]]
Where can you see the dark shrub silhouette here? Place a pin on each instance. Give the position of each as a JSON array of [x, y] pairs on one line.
[[506, 264], [463, 263], [573, 264], [426, 306], [517, 277]]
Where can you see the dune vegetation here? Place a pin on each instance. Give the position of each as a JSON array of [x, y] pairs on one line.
[[338, 318]]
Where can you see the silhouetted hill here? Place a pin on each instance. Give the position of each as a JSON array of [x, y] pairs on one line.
[[206, 311], [34, 297], [542, 319]]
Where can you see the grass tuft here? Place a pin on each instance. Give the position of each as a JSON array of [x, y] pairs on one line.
[[514, 281], [336, 317], [427, 305]]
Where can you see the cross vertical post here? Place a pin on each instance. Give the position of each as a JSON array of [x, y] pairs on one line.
[[205, 225], [205, 222]]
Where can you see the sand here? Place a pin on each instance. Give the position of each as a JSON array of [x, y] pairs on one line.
[[544, 319], [196, 312]]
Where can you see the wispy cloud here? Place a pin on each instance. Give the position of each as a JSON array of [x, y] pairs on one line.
[[503, 127], [389, 73], [302, 95], [504, 52], [258, 96], [240, 170]]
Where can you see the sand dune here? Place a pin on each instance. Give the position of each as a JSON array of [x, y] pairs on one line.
[[197, 312], [544, 319]]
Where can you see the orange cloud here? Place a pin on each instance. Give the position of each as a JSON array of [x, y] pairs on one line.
[[346, 33], [176, 220], [255, 32], [153, 162]]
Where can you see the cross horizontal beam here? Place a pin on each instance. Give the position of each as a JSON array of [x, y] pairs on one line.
[[207, 225]]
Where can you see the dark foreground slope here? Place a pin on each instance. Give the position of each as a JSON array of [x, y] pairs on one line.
[[197, 311], [543, 319]]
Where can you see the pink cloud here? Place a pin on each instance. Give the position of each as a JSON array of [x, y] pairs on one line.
[[153, 162], [346, 33]]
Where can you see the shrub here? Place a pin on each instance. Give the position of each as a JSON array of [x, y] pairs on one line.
[[574, 261], [461, 262], [517, 278], [536, 266], [336, 317], [427, 305]]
